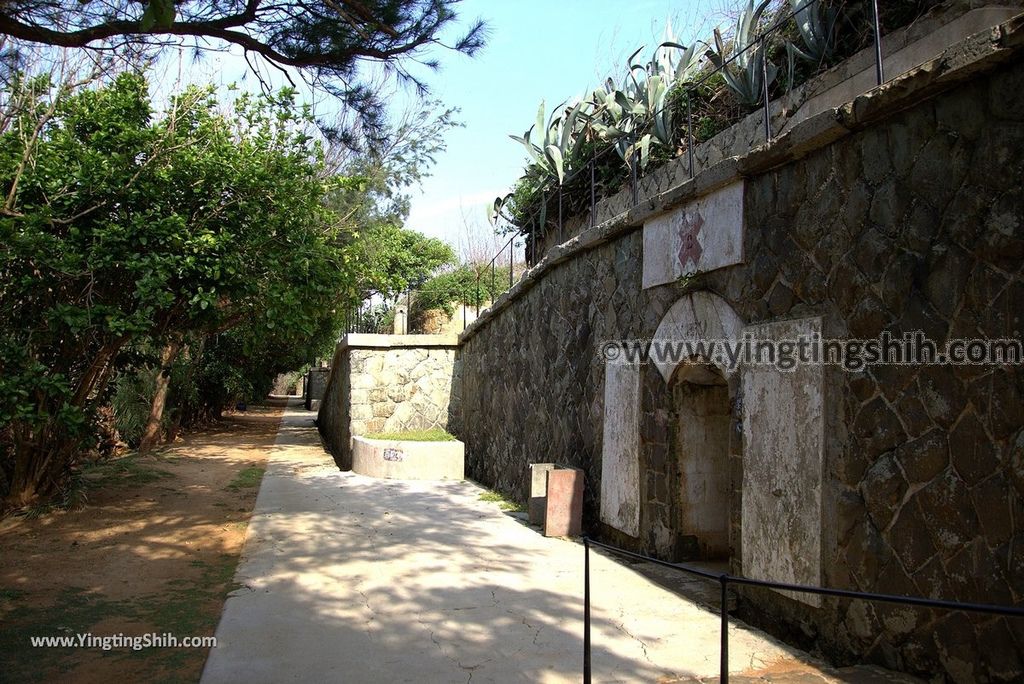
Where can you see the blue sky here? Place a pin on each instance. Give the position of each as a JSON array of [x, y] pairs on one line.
[[537, 50]]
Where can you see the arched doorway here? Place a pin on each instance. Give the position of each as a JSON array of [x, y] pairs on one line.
[[700, 445], [701, 400]]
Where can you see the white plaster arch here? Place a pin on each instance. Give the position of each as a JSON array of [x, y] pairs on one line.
[[697, 316]]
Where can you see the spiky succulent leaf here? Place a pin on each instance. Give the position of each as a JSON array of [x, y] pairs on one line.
[[554, 155]]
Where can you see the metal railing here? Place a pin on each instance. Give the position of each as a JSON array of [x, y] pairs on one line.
[[367, 317], [507, 249], [725, 579], [534, 218]]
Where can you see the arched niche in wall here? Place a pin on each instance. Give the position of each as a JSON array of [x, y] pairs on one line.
[[780, 498]]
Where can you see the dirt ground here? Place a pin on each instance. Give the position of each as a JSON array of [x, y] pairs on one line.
[[153, 550]]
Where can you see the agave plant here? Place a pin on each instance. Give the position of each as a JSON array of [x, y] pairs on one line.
[[816, 25], [633, 116], [744, 76], [675, 62], [637, 115], [560, 138], [616, 114]]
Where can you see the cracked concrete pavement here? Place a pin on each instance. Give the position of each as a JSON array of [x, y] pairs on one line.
[[349, 579]]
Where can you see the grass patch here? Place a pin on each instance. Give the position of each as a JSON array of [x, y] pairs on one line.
[[10, 594], [504, 503], [435, 434], [123, 472], [246, 479]]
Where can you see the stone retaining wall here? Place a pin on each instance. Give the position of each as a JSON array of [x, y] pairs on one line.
[[316, 386], [902, 211], [387, 383]]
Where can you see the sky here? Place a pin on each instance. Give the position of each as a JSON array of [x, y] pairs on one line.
[[537, 50]]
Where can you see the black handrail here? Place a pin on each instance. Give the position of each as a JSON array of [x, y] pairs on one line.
[[725, 579], [492, 266]]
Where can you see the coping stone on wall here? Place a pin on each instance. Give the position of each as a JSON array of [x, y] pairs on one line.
[[958, 63], [374, 341]]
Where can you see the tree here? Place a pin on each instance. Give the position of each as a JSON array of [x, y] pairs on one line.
[[325, 40], [121, 226], [387, 257], [392, 259]]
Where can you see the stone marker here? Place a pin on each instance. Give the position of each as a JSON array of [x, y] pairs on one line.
[[538, 491], [564, 510]]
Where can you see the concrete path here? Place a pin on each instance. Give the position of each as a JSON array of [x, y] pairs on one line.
[[349, 579]]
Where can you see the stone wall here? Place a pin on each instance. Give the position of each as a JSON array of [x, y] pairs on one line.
[[387, 383], [902, 211], [316, 386]]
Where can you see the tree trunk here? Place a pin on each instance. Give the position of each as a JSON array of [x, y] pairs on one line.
[[42, 457], [163, 385], [44, 451]]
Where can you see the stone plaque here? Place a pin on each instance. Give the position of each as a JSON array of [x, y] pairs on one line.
[[394, 455], [620, 458], [700, 236], [783, 466]]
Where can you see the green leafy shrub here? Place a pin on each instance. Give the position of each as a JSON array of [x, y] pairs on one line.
[[125, 227], [131, 401]]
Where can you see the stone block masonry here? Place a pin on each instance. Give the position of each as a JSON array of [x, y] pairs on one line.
[[387, 383], [316, 385]]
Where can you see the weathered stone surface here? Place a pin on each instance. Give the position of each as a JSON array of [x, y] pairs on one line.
[[922, 459], [316, 385], [910, 537], [620, 457], [878, 428], [974, 454], [386, 383], [883, 488], [783, 469], [704, 235]]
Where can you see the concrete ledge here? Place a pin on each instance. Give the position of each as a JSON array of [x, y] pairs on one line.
[[372, 341], [401, 460]]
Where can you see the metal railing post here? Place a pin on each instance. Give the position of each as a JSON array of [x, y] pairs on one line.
[[764, 82], [510, 258], [879, 67], [633, 175], [586, 611], [689, 129], [593, 189], [559, 213], [723, 675], [478, 294], [494, 287], [533, 244]]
